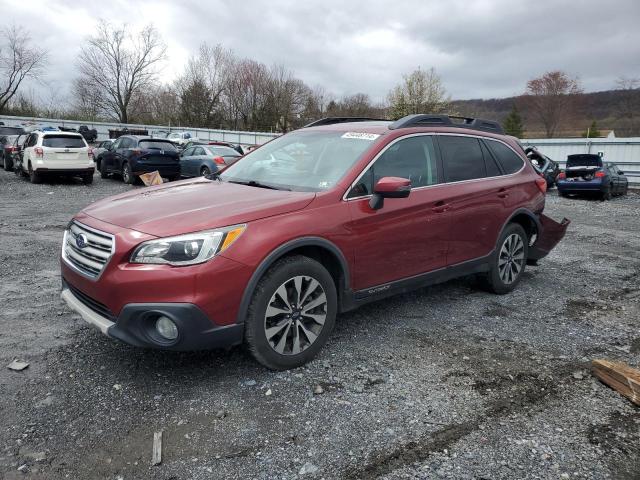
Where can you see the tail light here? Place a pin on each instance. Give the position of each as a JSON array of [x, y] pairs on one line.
[[218, 160], [90, 153], [38, 151], [542, 184], [561, 176], [600, 174], [12, 149]]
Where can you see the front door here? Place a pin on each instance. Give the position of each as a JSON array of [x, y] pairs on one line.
[[407, 236]]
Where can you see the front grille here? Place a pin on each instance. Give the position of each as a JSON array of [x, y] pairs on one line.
[[89, 302], [91, 253]]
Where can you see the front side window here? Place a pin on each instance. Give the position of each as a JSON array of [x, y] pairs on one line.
[[462, 157], [304, 160], [511, 162], [413, 158]]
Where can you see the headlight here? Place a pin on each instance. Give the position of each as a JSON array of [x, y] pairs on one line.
[[187, 249]]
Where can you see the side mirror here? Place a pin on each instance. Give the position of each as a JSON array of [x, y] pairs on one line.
[[389, 187]]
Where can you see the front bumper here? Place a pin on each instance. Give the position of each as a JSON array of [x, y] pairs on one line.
[[136, 323]]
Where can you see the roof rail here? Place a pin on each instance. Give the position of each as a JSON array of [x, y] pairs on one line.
[[333, 120], [426, 120]]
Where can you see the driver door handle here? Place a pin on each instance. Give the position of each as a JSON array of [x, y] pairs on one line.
[[440, 207]]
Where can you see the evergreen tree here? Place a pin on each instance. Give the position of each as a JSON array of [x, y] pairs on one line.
[[513, 123], [592, 131]]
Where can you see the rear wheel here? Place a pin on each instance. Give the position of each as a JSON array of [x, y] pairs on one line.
[[606, 193], [508, 262], [7, 163], [87, 178], [34, 176], [204, 171], [127, 174], [102, 169], [291, 314]]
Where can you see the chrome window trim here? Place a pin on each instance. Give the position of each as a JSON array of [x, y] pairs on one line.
[[96, 231], [381, 152]]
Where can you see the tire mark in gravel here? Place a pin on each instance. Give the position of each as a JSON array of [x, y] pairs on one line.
[[536, 392]]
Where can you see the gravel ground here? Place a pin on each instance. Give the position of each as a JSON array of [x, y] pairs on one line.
[[445, 382]]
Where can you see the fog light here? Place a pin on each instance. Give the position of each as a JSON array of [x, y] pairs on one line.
[[166, 328]]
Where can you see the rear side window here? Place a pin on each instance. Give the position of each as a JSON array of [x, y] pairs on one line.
[[493, 170], [156, 145], [223, 151], [63, 141], [462, 157], [413, 158], [510, 160]]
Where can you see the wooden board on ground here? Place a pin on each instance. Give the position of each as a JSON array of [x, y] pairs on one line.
[[619, 376], [151, 178], [156, 456]]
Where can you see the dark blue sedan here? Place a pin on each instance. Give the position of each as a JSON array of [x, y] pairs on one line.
[[587, 173], [201, 160]]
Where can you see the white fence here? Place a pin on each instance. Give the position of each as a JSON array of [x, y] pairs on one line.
[[242, 138], [624, 152]]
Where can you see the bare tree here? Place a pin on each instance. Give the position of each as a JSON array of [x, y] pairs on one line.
[[116, 66], [419, 92], [628, 108], [551, 98], [203, 84], [19, 60]]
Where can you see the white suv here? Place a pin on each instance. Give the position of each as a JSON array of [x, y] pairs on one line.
[[60, 153], [179, 138]]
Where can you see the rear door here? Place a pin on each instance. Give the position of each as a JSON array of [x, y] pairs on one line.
[[479, 196], [407, 236], [186, 162]]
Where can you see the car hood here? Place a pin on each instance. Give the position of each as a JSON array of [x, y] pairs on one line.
[[193, 205]]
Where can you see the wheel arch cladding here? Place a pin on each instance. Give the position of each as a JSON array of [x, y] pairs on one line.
[[526, 220], [319, 249]]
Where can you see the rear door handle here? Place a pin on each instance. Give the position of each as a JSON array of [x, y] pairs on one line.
[[503, 193], [440, 207]]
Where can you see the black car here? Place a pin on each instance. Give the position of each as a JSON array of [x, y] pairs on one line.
[[89, 134], [131, 155], [13, 151], [6, 148], [546, 167]]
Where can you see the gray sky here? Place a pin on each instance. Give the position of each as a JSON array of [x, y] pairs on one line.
[[482, 49]]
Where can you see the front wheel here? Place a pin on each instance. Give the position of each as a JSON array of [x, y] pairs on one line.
[[291, 314], [509, 260]]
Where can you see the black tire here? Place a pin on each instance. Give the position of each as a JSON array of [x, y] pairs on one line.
[[34, 176], [494, 280], [7, 163], [87, 178], [102, 170], [127, 174], [606, 193], [281, 274], [204, 171]]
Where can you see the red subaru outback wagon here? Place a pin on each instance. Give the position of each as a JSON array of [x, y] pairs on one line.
[[316, 222]]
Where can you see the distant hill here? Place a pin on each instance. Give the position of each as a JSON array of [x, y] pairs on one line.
[[606, 108]]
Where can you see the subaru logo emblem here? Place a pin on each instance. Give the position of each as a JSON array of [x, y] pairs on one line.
[[81, 240]]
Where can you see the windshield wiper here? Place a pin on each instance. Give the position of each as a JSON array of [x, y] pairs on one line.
[[253, 183]]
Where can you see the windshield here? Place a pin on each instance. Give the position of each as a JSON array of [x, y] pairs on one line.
[[63, 141], [222, 151], [301, 160], [156, 145]]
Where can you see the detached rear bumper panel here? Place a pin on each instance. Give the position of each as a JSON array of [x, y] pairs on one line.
[[550, 234]]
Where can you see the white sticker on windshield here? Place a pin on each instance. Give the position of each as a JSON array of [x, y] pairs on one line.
[[361, 136]]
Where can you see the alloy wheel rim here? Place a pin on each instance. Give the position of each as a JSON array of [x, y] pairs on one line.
[[511, 258], [295, 316]]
